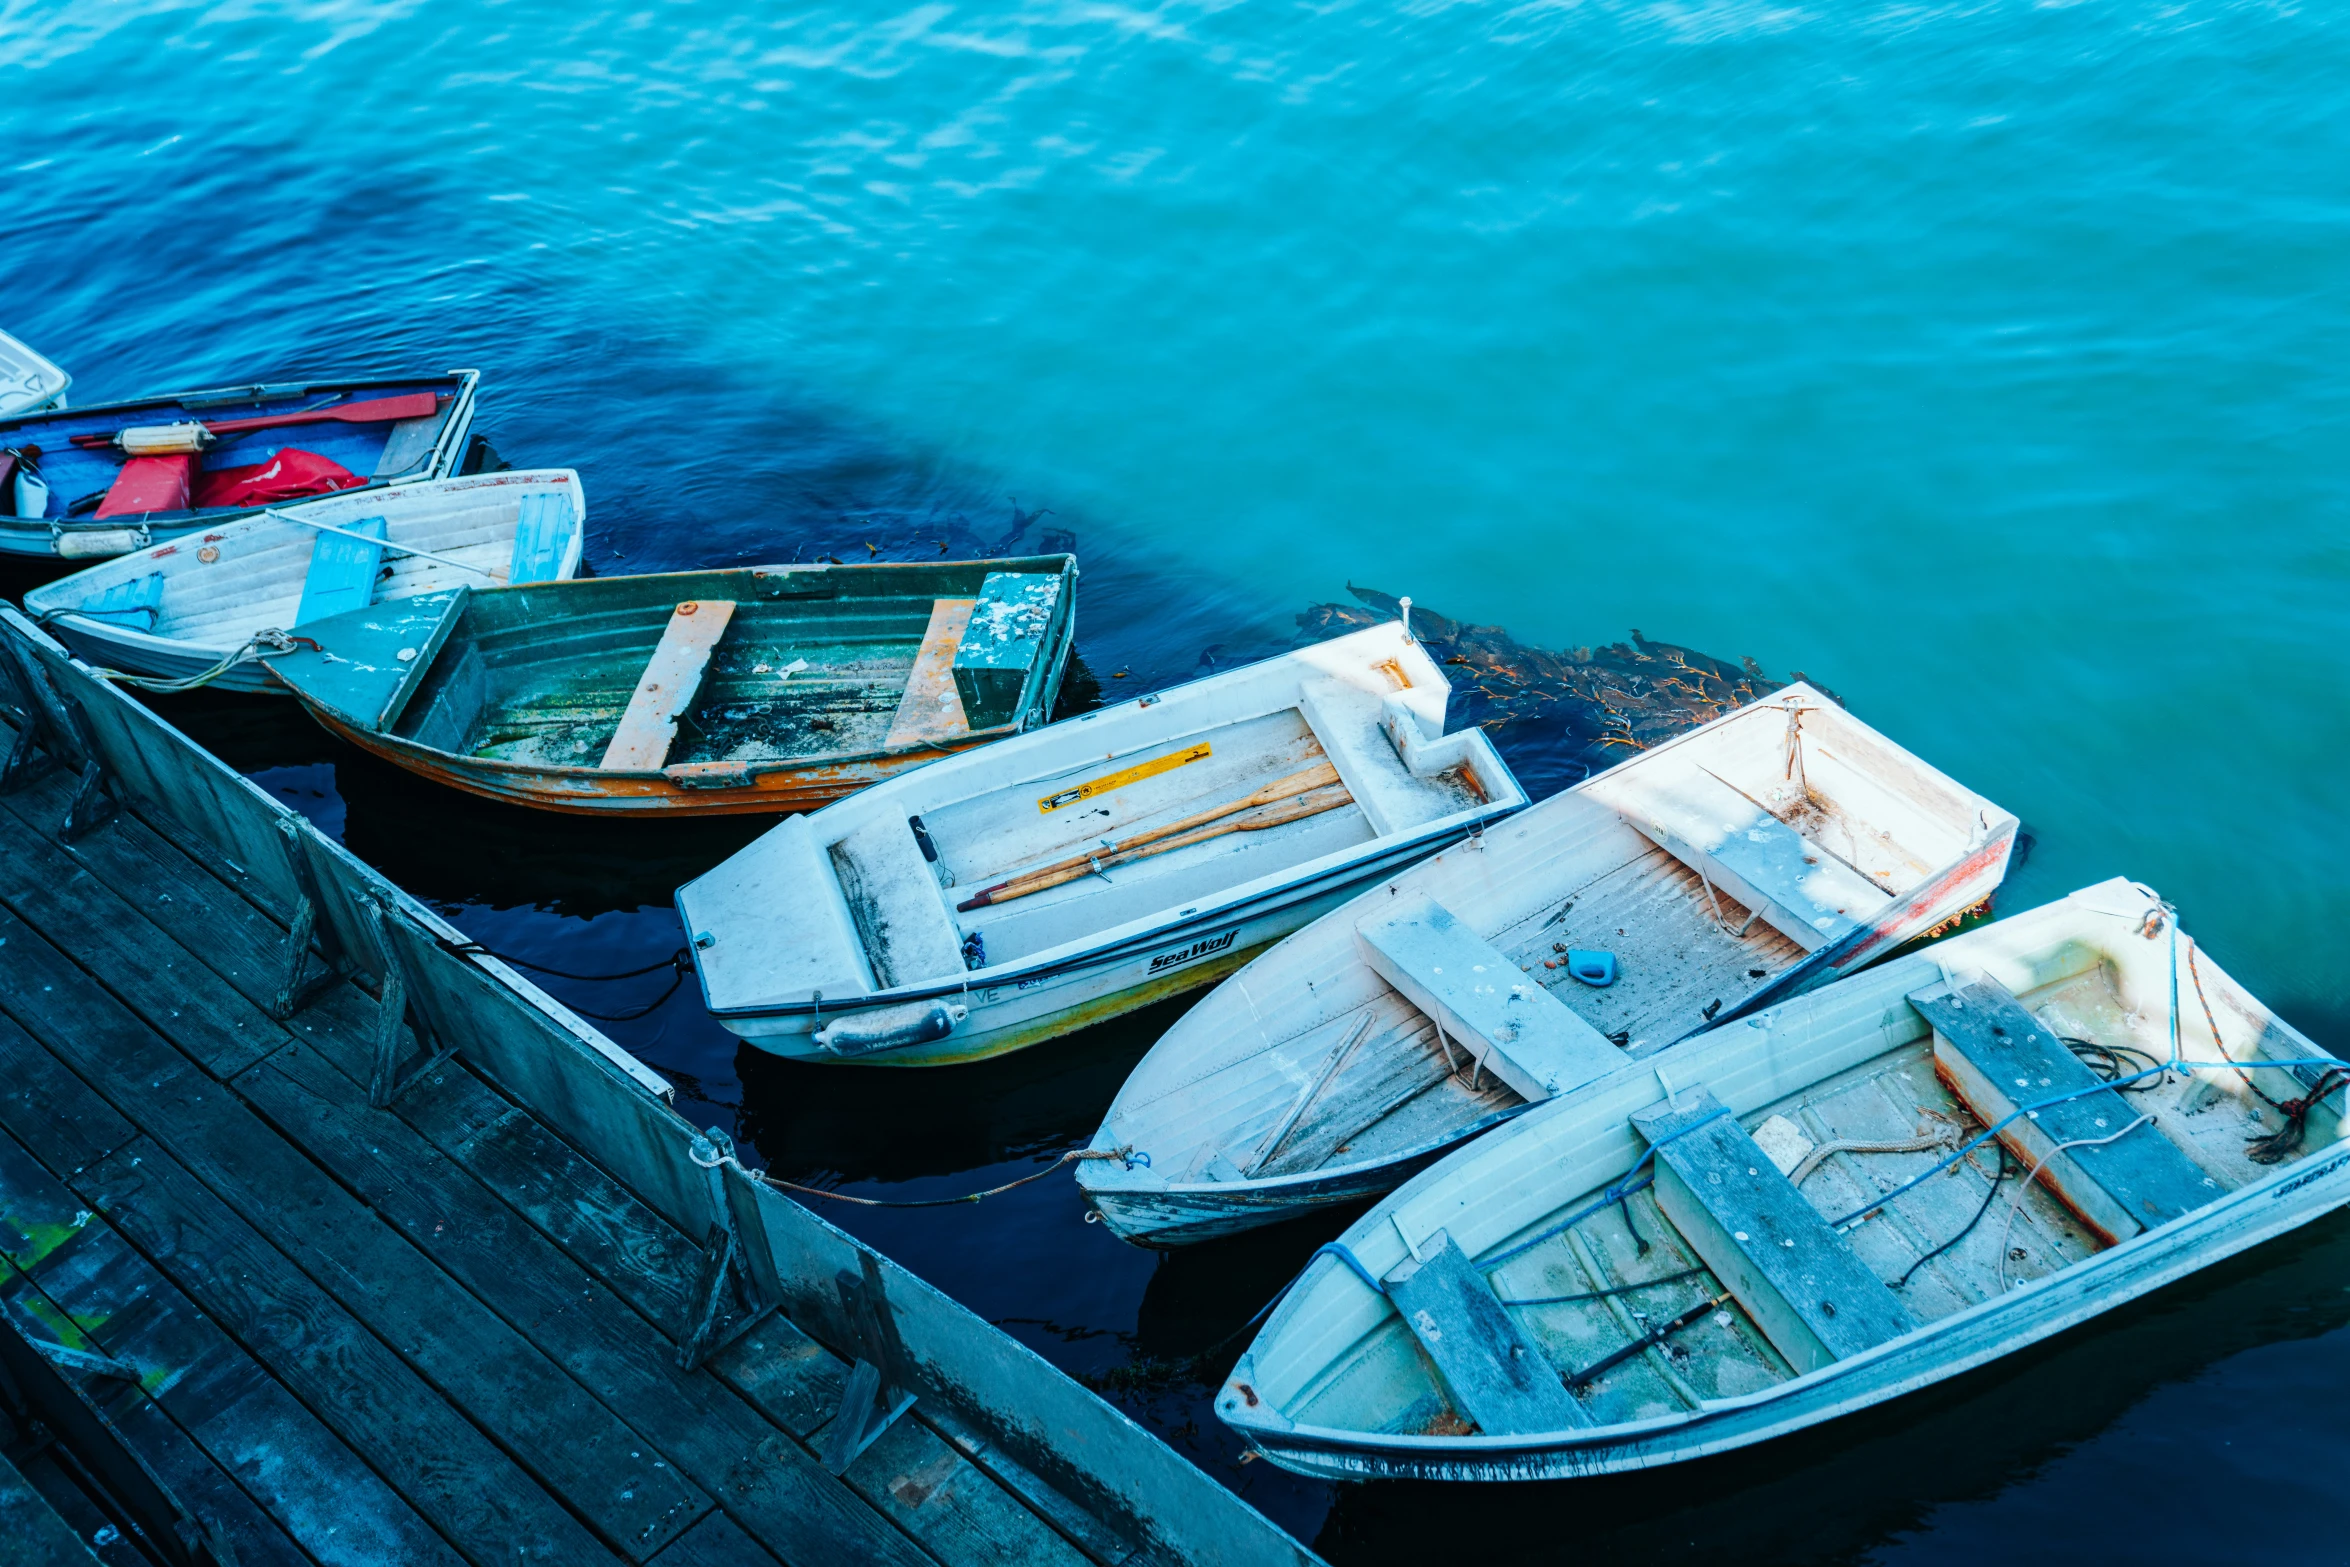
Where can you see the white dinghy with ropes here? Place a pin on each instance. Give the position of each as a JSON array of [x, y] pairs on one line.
[[1009, 894], [1766, 852], [201, 609], [1839, 1200]]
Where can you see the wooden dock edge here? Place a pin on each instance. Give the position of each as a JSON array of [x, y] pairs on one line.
[[1005, 1406]]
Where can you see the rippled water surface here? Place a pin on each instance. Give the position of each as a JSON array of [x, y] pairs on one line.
[[1984, 360]]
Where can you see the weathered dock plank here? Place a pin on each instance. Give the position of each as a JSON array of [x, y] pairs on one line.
[[452, 1474], [596, 1337]]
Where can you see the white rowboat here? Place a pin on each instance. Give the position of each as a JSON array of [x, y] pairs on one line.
[[1774, 849], [1839, 1200], [1009, 894], [176, 610]]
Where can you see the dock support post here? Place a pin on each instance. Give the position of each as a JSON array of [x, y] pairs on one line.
[[396, 1011], [63, 736], [725, 1274], [876, 1395], [298, 986]]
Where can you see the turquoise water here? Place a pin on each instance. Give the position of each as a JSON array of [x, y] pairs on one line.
[[1985, 361]]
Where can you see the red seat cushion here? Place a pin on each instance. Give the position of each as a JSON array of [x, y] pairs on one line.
[[291, 474], [149, 484]]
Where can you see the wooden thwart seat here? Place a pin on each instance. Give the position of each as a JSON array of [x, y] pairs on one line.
[[1811, 896], [1800, 1281], [667, 687], [1494, 1374], [1517, 1030], [932, 709], [1999, 1058]]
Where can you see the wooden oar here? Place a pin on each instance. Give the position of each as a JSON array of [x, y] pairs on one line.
[[379, 410], [1287, 800]]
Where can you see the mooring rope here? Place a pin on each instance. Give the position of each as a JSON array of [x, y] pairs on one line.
[[762, 1178], [256, 645]]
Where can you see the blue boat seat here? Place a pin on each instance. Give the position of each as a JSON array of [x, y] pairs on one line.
[[541, 537], [136, 603], [2000, 1059], [342, 571], [1493, 1373], [1811, 896], [1801, 1282], [1517, 1030]]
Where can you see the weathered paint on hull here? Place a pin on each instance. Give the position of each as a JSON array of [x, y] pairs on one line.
[[1957, 1344], [586, 791]]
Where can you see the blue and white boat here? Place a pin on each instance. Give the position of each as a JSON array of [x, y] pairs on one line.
[[1761, 854], [29, 381], [1831, 1203], [205, 608], [110, 478]]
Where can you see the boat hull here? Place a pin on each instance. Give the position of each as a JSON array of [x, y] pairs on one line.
[[2295, 1196], [587, 791]]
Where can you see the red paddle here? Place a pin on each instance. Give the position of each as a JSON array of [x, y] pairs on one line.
[[408, 405]]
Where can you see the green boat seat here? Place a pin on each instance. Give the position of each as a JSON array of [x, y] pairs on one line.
[[2000, 1058], [541, 536], [1493, 1373], [1003, 643], [342, 571], [1515, 1029], [371, 661], [1801, 1282], [137, 603], [1797, 885]]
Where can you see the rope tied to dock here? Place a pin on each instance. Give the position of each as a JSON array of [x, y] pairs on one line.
[[259, 645], [762, 1178], [680, 963]]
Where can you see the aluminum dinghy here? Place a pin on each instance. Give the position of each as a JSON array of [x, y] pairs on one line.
[[1844, 1198], [1000, 898], [1768, 851], [759, 689], [174, 611], [108, 479]]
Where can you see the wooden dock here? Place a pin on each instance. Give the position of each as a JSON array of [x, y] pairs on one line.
[[324, 1239]]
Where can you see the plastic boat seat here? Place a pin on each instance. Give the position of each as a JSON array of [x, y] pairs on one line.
[[2000, 1059], [1800, 1281], [897, 904], [1494, 1374], [1519, 1031], [932, 708], [1811, 896], [542, 533], [342, 571], [667, 688], [137, 603]]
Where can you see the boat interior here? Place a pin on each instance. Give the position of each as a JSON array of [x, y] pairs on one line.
[[1045, 861], [1800, 811], [781, 665], [1378, 1082], [217, 591], [1689, 1289], [233, 468]]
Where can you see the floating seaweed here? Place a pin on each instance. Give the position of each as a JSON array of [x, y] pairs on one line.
[[1561, 715]]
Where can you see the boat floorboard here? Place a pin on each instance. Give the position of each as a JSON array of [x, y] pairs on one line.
[[430, 1333]]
